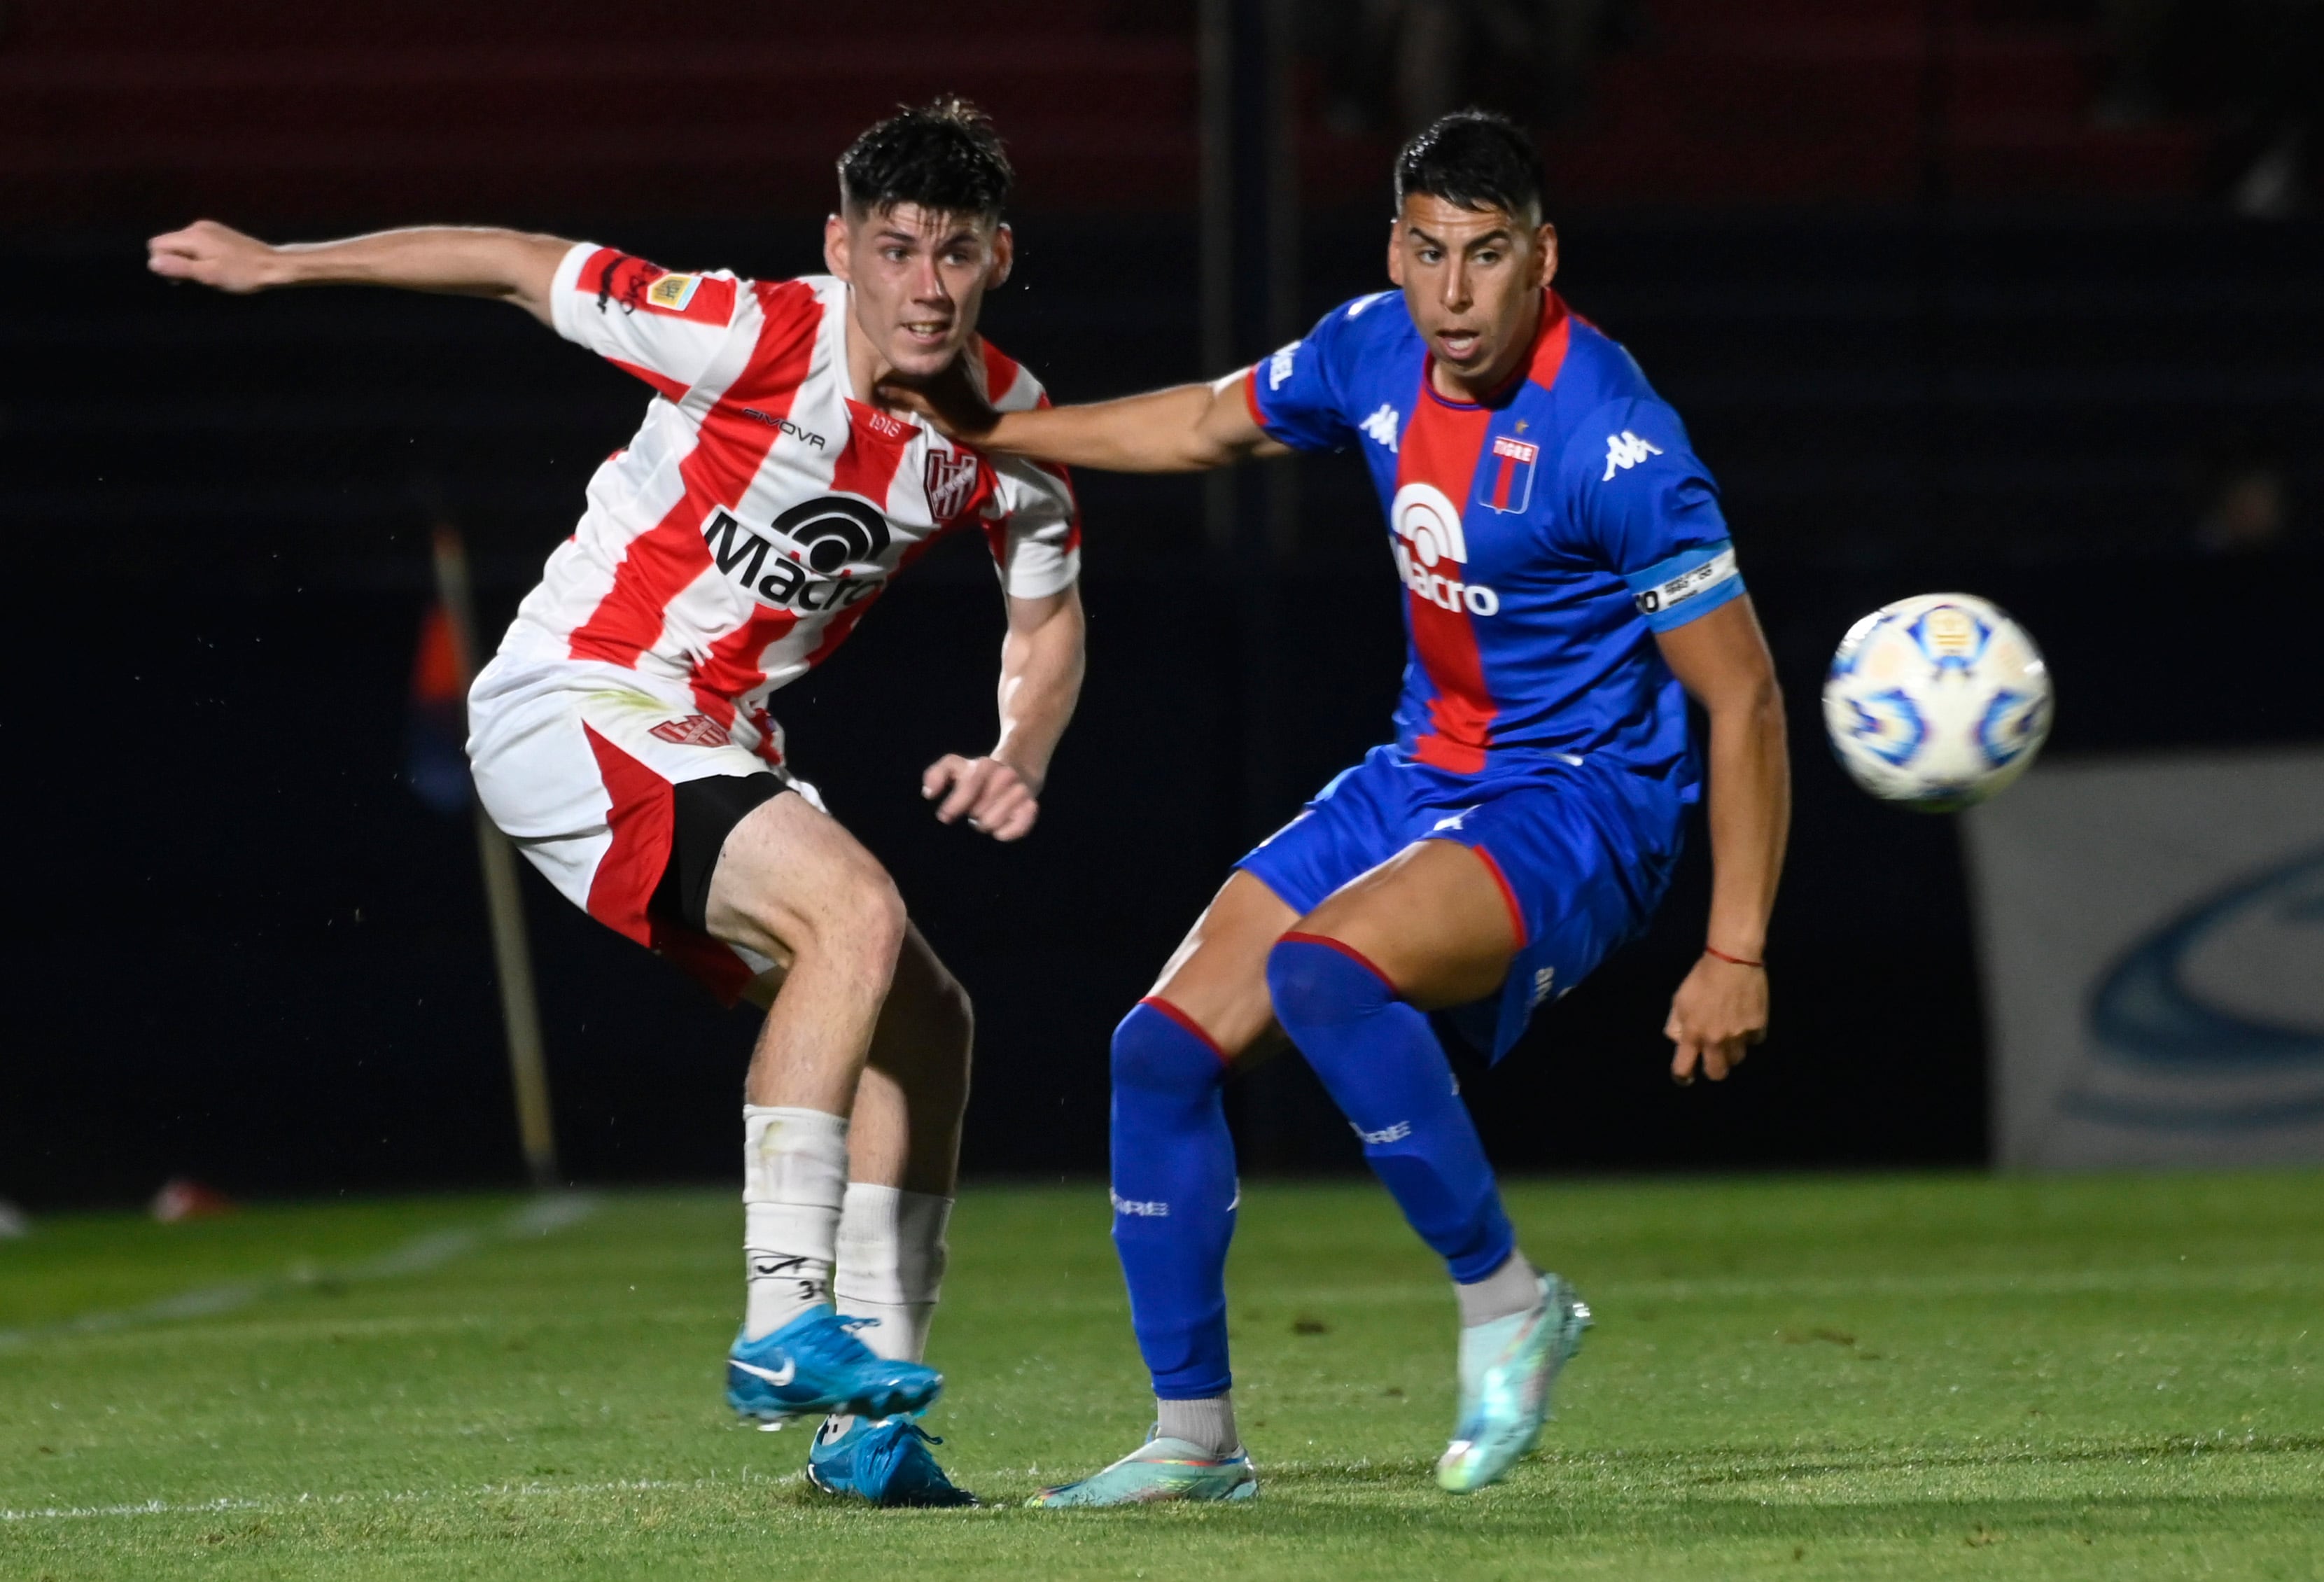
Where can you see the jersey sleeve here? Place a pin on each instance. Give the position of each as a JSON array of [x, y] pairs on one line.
[[1036, 536], [1648, 512], [665, 328], [1297, 395], [1037, 541]]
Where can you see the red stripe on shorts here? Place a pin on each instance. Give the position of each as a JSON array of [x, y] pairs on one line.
[[631, 871]]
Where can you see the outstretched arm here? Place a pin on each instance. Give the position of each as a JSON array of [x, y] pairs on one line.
[[1721, 1008], [511, 265], [1040, 680], [1186, 429]]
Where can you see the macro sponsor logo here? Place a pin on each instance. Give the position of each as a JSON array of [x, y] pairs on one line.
[[1428, 534], [2214, 1021], [809, 559], [1627, 450]]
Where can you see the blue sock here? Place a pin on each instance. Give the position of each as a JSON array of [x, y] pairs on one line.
[[1174, 1197], [1381, 1063]]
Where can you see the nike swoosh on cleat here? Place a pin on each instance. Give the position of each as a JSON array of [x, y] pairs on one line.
[[778, 1378]]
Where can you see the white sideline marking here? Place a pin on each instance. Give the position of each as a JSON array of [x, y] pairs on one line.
[[417, 1257], [409, 1497]]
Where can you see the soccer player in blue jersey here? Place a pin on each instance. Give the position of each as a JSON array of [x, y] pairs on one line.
[[1569, 582]]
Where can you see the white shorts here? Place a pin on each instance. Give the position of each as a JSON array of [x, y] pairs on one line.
[[575, 761]]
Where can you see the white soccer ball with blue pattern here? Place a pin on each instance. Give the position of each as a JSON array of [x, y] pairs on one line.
[[1936, 701]]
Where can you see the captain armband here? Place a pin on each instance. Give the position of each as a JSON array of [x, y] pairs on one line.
[[1687, 587]]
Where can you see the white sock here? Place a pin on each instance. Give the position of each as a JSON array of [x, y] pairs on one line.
[[794, 1176], [891, 1265], [1208, 1425]]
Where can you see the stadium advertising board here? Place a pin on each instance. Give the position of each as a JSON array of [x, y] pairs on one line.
[[2151, 943]]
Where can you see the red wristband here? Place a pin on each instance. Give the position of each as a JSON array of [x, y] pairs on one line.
[[1737, 961]]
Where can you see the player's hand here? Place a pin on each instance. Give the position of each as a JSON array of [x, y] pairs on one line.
[[212, 254], [994, 797], [950, 400], [1716, 1015]]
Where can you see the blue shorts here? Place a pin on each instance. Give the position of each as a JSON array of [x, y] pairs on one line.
[[1583, 854]]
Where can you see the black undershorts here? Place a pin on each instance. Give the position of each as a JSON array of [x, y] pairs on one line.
[[703, 814]]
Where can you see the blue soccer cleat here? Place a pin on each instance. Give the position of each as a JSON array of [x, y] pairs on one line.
[[885, 1461], [1506, 1369], [1159, 1469], [813, 1365]]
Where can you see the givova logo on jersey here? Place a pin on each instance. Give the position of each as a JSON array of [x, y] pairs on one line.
[[1428, 537], [822, 554]]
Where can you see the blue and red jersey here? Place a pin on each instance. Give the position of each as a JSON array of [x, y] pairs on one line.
[[1542, 536]]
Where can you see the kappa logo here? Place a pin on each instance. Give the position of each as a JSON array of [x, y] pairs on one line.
[[1428, 534], [951, 480], [1543, 980], [809, 561], [1627, 450], [1382, 426], [694, 731], [1143, 1210], [1361, 304], [1389, 1134]]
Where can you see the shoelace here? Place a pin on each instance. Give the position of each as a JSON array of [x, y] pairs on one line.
[[899, 1445]]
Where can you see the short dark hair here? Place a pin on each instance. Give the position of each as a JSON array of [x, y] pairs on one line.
[[1474, 159], [944, 156]]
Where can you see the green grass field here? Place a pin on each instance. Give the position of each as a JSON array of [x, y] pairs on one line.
[[1848, 1377]]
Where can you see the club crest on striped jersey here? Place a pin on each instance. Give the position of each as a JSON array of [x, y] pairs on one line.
[[694, 731], [1505, 482], [951, 480]]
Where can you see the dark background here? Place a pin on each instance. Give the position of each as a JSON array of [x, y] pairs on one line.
[[1951, 295]]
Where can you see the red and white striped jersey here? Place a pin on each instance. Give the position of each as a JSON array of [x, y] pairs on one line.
[[762, 507]]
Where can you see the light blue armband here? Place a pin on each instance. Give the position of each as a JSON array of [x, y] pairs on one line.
[[1687, 587]]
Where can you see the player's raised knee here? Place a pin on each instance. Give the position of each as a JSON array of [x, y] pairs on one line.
[[851, 911], [1312, 976], [1158, 1048], [865, 913]]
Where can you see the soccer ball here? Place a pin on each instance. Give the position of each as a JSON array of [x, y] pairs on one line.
[[1936, 701]]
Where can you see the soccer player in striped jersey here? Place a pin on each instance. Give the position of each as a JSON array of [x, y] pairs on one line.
[[1569, 582], [622, 735]]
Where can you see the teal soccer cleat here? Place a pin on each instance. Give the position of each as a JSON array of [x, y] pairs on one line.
[[1506, 1369], [815, 1365], [886, 1462], [1159, 1469]]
